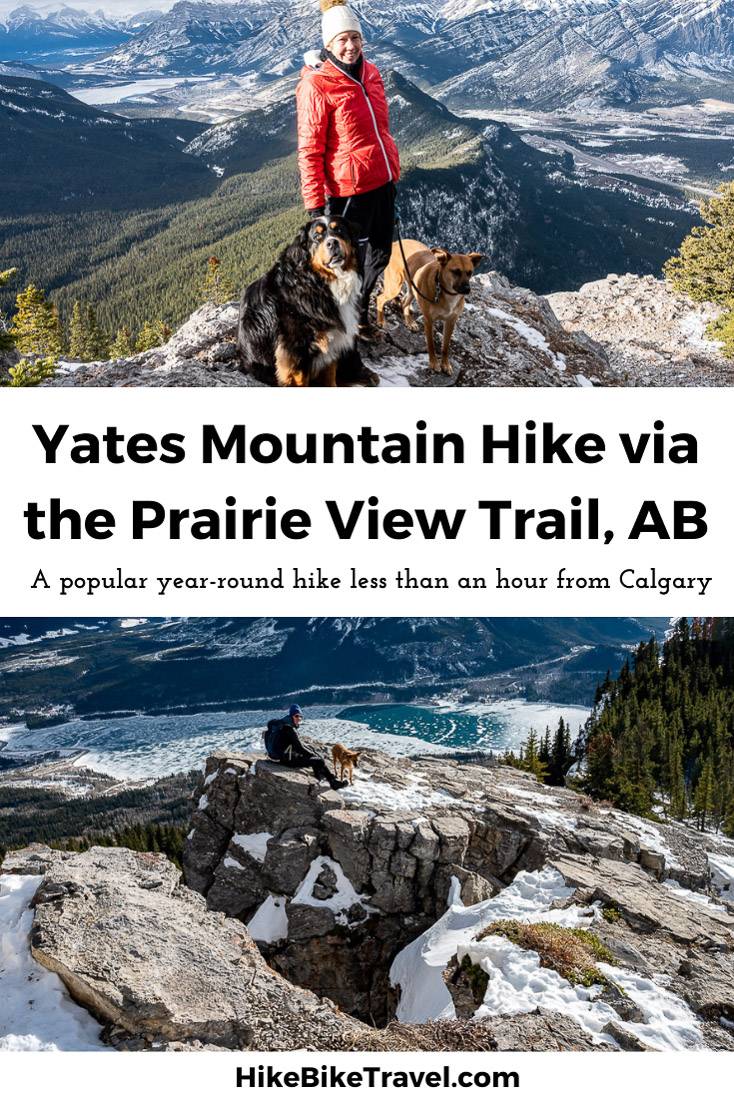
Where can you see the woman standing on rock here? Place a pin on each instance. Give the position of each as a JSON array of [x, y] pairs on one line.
[[348, 160]]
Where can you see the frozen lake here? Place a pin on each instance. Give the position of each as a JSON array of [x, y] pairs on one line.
[[144, 746], [116, 93]]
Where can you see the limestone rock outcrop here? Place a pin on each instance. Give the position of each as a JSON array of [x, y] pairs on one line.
[[333, 885], [157, 971], [305, 913], [144, 955]]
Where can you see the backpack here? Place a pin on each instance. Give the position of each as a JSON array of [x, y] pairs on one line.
[[270, 735]]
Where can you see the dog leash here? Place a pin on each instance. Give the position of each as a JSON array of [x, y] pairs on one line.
[[439, 286]]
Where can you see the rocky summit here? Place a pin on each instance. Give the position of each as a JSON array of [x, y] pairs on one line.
[[506, 337], [433, 904], [620, 331]]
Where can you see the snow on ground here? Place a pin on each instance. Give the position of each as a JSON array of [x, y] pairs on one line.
[[716, 106], [416, 796], [654, 164], [37, 662], [652, 838], [693, 330], [649, 837], [418, 967], [722, 872], [542, 809], [255, 844], [270, 922], [531, 336], [691, 895], [401, 370], [343, 898], [71, 787], [36, 1012], [230, 861], [517, 982], [669, 1023]]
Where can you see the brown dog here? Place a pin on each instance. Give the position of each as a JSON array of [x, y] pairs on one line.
[[442, 279], [345, 760]]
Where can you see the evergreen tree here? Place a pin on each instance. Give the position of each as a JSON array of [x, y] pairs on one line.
[[97, 345], [77, 333], [704, 266], [704, 794], [217, 287], [729, 819], [152, 336], [662, 734], [122, 346], [36, 328], [723, 781], [6, 340], [544, 750], [528, 758], [677, 800], [601, 767], [147, 338], [560, 755], [31, 373]]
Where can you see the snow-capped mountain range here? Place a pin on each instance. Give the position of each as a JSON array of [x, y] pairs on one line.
[[55, 18], [35, 31], [527, 52], [539, 53]]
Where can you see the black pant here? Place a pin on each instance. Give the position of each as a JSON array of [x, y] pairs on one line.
[[306, 760], [373, 215]]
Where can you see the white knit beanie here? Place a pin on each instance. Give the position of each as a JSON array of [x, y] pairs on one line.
[[336, 18]]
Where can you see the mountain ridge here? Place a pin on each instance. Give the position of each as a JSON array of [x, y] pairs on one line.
[[546, 54], [144, 665]]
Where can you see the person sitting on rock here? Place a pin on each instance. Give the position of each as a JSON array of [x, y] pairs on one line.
[[284, 746]]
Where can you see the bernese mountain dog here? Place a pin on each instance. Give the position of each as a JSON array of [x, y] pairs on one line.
[[298, 322]]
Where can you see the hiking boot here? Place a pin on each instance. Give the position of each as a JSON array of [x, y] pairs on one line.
[[339, 784]]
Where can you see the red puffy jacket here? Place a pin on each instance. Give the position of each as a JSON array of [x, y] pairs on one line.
[[344, 142]]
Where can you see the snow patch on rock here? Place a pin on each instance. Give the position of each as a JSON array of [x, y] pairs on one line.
[[517, 981], [36, 1012], [343, 898], [722, 873], [270, 922], [418, 968], [255, 844]]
